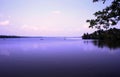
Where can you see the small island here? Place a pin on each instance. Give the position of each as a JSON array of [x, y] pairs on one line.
[[111, 34]]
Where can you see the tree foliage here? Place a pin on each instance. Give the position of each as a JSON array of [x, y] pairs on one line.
[[107, 17], [99, 0], [111, 34]]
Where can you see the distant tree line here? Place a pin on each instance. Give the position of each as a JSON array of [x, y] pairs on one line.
[[5, 36]]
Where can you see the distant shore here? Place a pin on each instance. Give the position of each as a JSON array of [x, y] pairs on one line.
[[5, 36], [41, 37], [12, 36]]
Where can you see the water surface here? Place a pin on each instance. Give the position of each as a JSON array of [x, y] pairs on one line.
[[58, 57]]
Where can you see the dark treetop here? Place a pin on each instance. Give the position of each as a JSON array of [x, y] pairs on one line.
[[107, 17]]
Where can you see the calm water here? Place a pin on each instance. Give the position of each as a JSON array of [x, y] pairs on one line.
[[35, 57]]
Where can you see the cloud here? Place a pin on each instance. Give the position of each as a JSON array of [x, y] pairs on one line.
[[29, 27], [4, 23], [4, 16], [56, 12], [0, 15], [9, 16], [4, 19]]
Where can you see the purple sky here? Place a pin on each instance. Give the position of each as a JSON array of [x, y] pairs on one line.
[[47, 17]]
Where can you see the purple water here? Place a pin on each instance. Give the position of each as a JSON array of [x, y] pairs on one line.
[[33, 57]]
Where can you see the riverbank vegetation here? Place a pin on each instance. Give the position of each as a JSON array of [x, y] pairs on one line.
[[111, 34]]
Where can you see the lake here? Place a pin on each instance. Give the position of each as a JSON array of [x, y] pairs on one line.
[[58, 57]]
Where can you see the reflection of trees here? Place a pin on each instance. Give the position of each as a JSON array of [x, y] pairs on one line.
[[107, 43]]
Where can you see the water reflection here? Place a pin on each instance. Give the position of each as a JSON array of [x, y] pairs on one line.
[[57, 58], [5, 53], [107, 43]]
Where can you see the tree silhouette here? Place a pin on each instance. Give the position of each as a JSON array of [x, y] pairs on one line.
[[107, 17], [111, 34]]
